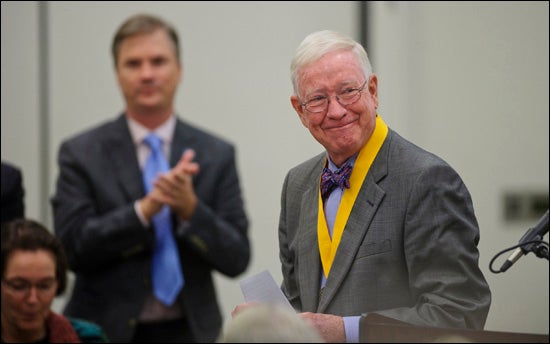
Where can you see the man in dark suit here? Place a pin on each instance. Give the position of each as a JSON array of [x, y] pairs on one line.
[[103, 213], [13, 193], [398, 237]]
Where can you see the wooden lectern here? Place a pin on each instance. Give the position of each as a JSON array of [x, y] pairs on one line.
[[375, 328]]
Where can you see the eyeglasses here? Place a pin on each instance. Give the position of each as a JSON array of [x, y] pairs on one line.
[[22, 288], [320, 103]]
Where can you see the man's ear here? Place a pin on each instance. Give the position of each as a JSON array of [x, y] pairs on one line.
[[373, 88], [299, 110]]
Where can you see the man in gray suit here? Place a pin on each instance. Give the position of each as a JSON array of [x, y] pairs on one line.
[[399, 237], [103, 213]]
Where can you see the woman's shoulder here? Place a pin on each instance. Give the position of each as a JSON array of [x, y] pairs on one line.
[[88, 332]]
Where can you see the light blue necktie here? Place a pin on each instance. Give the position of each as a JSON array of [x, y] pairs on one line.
[[167, 274]]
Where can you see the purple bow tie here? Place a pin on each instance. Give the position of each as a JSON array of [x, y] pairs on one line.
[[330, 180]]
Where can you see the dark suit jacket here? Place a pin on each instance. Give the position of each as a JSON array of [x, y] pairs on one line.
[[409, 248], [12, 193], [110, 250]]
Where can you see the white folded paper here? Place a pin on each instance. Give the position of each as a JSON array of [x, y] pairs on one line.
[[261, 287]]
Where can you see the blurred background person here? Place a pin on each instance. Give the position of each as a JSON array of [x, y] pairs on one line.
[[268, 323], [34, 272], [12, 193], [117, 217]]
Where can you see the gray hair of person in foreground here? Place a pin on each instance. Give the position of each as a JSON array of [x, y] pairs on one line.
[[268, 323]]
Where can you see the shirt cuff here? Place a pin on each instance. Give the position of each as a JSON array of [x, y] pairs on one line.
[[351, 326], [139, 214]]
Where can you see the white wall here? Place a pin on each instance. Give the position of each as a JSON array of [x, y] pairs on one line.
[[20, 106], [468, 81]]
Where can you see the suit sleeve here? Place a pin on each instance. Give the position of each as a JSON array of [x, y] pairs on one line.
[[286, 254], [96, 223], [440, 242]]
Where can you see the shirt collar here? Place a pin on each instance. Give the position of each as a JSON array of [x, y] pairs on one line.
[[334, 168], [165, 131]]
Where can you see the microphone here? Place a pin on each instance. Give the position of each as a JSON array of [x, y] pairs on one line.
[[526, 242]]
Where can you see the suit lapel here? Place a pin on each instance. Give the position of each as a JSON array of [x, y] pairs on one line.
[[310, 262], [120, 149], [361, 215], [178, 144], [368, 200], [184, 137]]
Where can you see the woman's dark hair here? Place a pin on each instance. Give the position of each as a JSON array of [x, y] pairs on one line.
[[29, 235]]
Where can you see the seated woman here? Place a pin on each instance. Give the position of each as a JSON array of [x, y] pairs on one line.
[[34, 272]]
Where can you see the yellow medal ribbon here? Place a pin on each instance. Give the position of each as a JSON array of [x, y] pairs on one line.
[[328, 247]]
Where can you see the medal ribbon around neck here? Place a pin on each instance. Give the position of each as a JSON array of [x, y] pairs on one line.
[[328, 247]]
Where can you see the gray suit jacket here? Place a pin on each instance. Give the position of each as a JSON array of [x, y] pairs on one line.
[[110, 250], [408, 251]]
